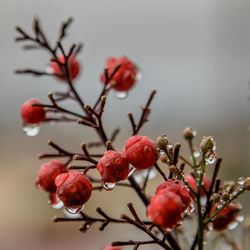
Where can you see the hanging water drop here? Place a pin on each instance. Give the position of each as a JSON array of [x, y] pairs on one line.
[[131, 170], [31, 130], [240, 218], [232, 225], [241, 180], [55, 202], [138, 75], [121, 94], [74, 210], [196, 154], [108, 186], [70, 215], [210, 226]]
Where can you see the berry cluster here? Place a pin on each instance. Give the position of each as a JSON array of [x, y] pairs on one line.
[[186, 190]]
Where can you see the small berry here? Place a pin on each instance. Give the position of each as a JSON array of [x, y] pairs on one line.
[[113, 167], [141, 152], [189, 133], [31, 114], [165, 209], [73, 188], [112, 248], [48, 173], [73, 65], [125, 78], [225, 216], [193, 184]]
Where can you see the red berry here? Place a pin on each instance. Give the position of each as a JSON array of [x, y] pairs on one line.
[[193, 184], [112, 248], [177, 187], [113, 167], [73, 188], [165, 209], [73, 64], [225, 216], [125, 78], [31, 114], [48, 173], [141, 152]]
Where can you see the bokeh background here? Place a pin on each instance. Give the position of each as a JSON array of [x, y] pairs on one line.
[[195, 53]]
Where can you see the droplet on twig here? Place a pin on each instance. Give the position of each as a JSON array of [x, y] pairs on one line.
[[31, 130]]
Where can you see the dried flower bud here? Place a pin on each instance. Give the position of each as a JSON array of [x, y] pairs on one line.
[[207, 144], [225, 196], [247, 183], [215, 197], [189, 133], [229, 186], [162, 142], [173, 169]]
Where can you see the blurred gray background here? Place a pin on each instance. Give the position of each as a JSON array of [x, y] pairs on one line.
[[195, 53]]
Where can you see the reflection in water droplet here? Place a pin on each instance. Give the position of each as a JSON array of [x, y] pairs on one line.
[[210, 226], [141, 175], [197, 154], [121, 94], [31, 130], [190, 209], [240, 218], [70, 215], [131, 170], [74, 210], [211, 158], [49, 70], [55, 202], [232, 225], [138, 75], [108, 186]]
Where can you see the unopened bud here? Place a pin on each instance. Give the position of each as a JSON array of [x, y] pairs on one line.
[[162, 142], [215, 197], [189, 133], [225, 196], [207, 144], [247, 183]]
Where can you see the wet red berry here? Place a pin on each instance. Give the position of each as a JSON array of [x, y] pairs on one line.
[[177, 187], [225, 216], [111, 248], [141, 152], [113, 167], [73, 64], [125, 78], [73, 188], [171, 200], [193, 184], [165, 209], [31, 114], [48, 173]]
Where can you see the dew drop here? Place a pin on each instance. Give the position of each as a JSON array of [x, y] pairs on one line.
[[210, 226], [121, 94], [240, 218], [190, 209], [108, 186], [138, 75], [211, 158], [49, 70], [74, 210], [131, 170], [70, 215], [55, 202], [31, 130], [241, 181], [196, 154], [232, 225]]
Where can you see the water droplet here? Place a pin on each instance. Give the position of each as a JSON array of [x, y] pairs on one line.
[[131, 170], [190, 209], [203, 200], [74, 210], [49, 70], [121, 94], [55, 202], [108, 186], [31, 130], [241, 181], [70, 215], [138, 75], [211, 158], [240, 218], [232, 225], [210, 226], [196, 154]]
